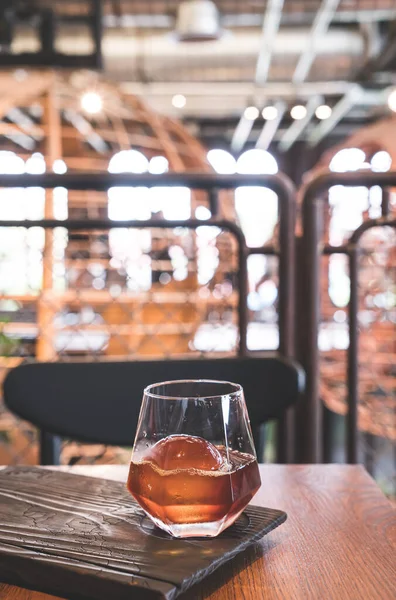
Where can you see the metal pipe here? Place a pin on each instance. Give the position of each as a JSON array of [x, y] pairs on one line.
[[50, 448], [312, 451], [286, 308], [263, 250], [287, 222], [100, 224], [104, 181], [271, 89], [214, 201], [242, 299], [353, 364], [299, 291], [381, 222], [329, 250], [97, 31], [385, 203], [325, 180], [240, 19]]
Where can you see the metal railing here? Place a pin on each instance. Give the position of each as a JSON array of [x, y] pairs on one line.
[[310, 422], [211, 184]]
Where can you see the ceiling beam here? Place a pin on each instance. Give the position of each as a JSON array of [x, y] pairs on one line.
[[341, 109], [22, 130], [356, 94], [241, 133], [21, 93], [270, 127], [321, 23], [25, 123], [22, 140], [25, 137], [86, 131], [271, 22], [12, 129], [297, 127]]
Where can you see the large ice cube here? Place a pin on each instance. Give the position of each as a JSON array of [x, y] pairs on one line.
[[185, 452]]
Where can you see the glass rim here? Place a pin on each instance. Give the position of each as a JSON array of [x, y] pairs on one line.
[[236, 386]]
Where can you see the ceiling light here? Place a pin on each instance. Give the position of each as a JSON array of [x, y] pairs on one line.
[[179, 101], [92, 103], [298, 112], [392, 100], [251, 113], [323, 112], [269, 113], [197, 20]]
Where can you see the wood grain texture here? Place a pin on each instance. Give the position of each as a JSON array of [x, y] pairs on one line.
[[339, 541], [87, 538]]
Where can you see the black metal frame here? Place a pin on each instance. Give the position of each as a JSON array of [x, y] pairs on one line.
[[353, 349], [211, 183], [313, 249], [48, 56]]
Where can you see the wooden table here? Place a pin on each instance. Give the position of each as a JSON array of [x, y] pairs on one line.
[[338, 542]]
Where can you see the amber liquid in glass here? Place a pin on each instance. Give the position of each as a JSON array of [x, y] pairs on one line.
[[203, 485]]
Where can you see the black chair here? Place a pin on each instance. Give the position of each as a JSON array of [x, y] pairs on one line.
[[99, 402]]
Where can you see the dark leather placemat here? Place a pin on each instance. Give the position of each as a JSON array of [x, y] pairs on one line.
[[85, 538]]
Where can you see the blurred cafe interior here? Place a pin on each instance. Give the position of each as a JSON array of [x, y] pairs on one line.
[[215, 178]]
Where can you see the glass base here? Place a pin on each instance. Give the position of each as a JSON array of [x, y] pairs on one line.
[[187, 530]]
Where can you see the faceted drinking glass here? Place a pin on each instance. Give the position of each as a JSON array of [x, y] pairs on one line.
[[193, 468]]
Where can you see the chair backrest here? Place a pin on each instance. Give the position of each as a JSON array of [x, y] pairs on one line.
[[100, 402]]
